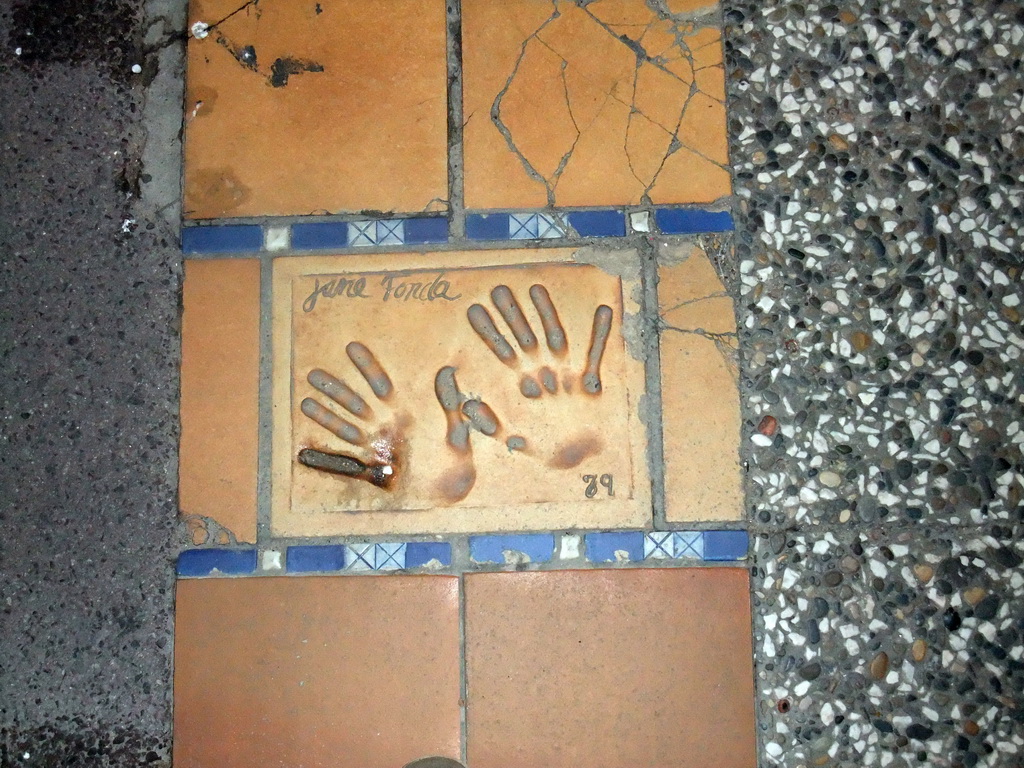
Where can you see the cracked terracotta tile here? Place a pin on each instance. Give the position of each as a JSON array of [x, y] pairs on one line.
[[220, 349], [318, 672], [605, 103], [449, 393], [561, 670], [700, 394], [307, 107]]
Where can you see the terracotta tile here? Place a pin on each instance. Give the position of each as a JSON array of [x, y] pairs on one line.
[[299, 108], [700, 396], [558, 112], [331, 672], [688, 6], [220, 341], [476, 437], [610, 667]]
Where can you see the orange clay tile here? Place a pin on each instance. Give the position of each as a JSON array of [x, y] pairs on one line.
[[304, 108], [220, 349], [557, 110], [637, 667], [699, 390], [456, 392], [341, 672]]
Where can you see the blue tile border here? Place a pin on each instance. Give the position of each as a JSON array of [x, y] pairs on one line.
[[315, 558], [610, 223], [638, 546], [433, 229], [418, 554], [726, 545], [545, 225], [319, 558], [539, 547], [222, 238], [609, 547], [659, 545], [689, 544], [561, 223], [205, 562], [317, 235], [601, 547], [376, 232], [487, 226], [389, 557], [361, 557], [314, 235], [535, 226], [691, 221]]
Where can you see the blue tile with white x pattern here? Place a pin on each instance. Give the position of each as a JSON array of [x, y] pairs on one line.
[[659, 545], [389, 557], [689, 544]]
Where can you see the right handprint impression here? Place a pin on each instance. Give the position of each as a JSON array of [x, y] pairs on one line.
[[552, 391]]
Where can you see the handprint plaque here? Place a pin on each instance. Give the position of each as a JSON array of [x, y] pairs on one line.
[[454, 398]]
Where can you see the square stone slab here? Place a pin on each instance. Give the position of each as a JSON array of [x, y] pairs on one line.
[[636, 667], [611, 102], [457, 392], [334, 672], [299, 108]]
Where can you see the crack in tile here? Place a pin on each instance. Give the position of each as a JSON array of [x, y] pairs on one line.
[[710, 335], [636, 47], [503, 129], [634, 110], [608, 94], [674, 307], [253, 3], [556, 176], [679, 34], [727, 345], [282, 68], [565, 82], [643, 57], [440, 201]]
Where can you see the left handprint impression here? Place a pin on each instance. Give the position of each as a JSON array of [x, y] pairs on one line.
[[378, 445]]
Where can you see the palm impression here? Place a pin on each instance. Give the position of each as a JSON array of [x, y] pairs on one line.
[[373, 440], [551, 390]]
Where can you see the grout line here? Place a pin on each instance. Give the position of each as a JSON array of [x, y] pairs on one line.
[[614, 243], [760, 734], [453, 537], [463, 681], [266, 405], [652, 369], [671, 564], [345, 217], [456, 181]]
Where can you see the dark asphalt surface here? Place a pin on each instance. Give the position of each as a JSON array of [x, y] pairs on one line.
[[88, 400]]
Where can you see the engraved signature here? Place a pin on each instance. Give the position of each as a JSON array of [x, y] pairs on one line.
[[396, 287]]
